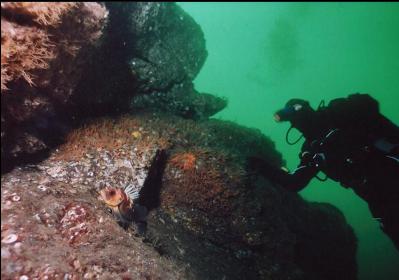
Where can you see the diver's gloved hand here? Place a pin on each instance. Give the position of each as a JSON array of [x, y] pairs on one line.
[[292, 182]]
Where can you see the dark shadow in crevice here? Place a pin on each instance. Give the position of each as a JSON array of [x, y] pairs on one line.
[[150, 193], [9, 163]]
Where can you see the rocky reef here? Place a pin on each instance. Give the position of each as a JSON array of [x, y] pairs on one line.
[[43, 49], [207, 216], [100, 96], [63, 62]]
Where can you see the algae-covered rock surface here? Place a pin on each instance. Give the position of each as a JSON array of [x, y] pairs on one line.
[[208, 218], [44, 47], [62, 62]]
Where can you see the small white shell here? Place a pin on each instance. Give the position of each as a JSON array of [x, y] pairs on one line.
[[11, 238], [16, 198]]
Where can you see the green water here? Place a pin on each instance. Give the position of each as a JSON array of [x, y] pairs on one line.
[[262, 54]]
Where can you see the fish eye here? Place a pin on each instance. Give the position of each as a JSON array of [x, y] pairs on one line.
[[109, 210]]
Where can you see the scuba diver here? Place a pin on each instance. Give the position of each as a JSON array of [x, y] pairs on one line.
[[351, 143]]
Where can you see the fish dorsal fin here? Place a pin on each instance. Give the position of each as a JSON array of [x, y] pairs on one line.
[[131, 191]]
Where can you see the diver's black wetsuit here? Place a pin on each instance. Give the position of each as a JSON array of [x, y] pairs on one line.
[[357, 147]]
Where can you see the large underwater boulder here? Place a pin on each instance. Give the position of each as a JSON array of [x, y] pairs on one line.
[[208, 217], [151, 54]]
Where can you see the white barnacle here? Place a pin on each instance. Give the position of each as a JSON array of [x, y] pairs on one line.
[[9, 239]]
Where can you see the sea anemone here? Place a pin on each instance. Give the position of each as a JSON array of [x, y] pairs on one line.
[[185, 161]]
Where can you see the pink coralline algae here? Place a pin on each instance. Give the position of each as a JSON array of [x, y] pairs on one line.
[[73, 224]]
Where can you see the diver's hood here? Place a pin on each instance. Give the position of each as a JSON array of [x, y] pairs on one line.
[[293, 109]]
